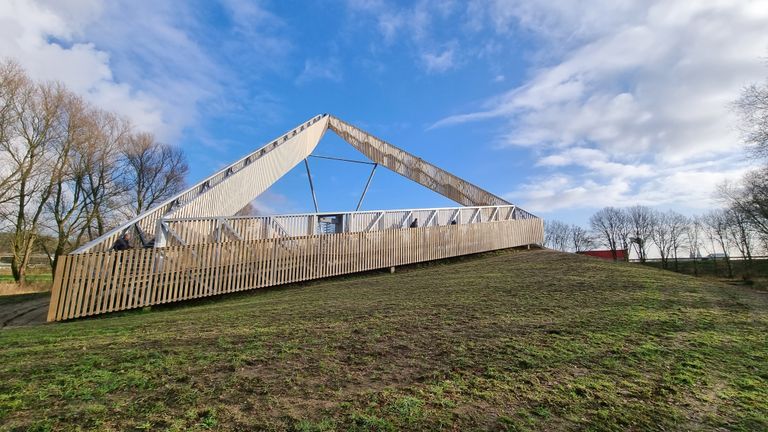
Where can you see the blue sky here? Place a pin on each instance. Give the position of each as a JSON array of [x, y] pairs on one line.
[[559, 107]]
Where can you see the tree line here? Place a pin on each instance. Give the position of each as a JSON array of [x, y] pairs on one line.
[[70, 171], [670, 235], [739, 227]]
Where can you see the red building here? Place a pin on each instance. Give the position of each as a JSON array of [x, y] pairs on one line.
[[621, 254]]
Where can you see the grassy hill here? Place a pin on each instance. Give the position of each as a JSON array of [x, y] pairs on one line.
[[505, 341]]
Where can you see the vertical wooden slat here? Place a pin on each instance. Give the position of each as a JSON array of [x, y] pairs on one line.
[[66, 287], [95, 286], [188, 272], [118, 267], [104, 279], [56, 287], [140, 279], [77, 284], [86, 284]]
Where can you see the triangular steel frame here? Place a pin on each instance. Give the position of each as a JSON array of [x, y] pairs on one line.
[[235, 186]]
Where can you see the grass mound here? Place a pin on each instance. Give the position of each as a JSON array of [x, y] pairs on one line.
[[506, 341]]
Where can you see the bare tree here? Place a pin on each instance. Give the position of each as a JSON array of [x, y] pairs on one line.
[[66, 210], [13, 83], [102, 183], [752, 108], [749, 198], [557, 235], [611, 227], [693, 235], [678, 226], [741, 234], [35, 111], [662, 236], [66, 168], [580, 239], [641, 222], [152, 171], [716, 228]]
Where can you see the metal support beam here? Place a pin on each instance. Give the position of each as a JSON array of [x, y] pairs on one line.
[[405, 219], [168, 232], [455, 216], [342, 159], [311, 185], [493, 214], [280, 228], [368, 183], [375, 221], [225, 224], [475, 216], [430, 218]]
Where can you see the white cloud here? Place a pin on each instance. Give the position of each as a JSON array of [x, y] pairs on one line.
[[644, 85], [45, 38], [438, 63], [143, 60], [416, 26], [689, 188], [320, 69], [597, 163]]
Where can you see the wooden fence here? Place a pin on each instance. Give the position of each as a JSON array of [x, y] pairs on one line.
[[101, 282], [188, 231]]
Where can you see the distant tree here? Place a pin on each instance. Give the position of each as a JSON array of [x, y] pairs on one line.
[[749, 198], [741, 234], [580, 239], [611, 227], [693, 235], [716, 228], [556, 235], [641, 221], [662, 236], [678, 227]]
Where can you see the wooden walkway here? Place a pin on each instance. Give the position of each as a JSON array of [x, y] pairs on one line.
[[95, 283]]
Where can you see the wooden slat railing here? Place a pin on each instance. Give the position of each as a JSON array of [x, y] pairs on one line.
[[95, 283]]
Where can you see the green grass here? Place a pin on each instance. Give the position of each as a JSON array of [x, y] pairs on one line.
[[718, 268], [43, 277], [508, 341]]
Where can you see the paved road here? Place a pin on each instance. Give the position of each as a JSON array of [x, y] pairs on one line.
[[25, 312]]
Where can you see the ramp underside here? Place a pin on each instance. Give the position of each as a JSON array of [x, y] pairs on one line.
[[231, 195]]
